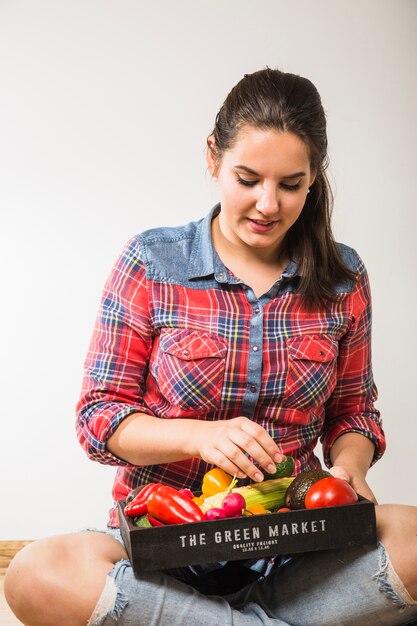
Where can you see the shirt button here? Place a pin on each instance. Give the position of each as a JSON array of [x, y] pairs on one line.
[[257, 310], [255, 348], [186, 352], [252, 388]]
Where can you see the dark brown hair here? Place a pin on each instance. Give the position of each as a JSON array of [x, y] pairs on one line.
[[271, 99]]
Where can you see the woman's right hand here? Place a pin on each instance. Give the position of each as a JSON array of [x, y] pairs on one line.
[[235, 446]]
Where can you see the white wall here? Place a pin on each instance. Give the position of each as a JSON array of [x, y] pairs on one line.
[[104, 111]]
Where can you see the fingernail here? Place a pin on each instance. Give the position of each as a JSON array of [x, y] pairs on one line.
[[270, 469], [279, 457], [258, 476]]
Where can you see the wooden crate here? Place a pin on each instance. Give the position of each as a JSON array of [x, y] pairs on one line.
[[249, 537]]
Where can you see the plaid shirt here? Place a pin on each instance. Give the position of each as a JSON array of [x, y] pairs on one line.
[[178, 335]]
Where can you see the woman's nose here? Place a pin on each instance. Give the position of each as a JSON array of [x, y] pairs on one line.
[[268, 200]]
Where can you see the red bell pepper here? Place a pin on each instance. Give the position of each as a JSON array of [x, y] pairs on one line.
[[153, 521], [186, 492], [138, 506], [171, 507]]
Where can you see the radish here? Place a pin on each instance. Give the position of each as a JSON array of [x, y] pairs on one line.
[[215, 513], [233, 504]]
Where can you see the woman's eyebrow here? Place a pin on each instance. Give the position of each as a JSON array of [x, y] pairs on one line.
[[254, 173]]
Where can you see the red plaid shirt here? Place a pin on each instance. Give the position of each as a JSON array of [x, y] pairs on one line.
[[177, 335]]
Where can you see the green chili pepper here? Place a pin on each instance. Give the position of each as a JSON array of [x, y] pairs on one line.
[[142, 522]]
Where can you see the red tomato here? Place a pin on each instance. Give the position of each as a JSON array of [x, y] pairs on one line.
[[330, 491]]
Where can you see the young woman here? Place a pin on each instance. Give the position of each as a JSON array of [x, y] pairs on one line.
[[233, 341]]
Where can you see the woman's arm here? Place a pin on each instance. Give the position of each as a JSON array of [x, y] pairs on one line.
[[350, 409], [351, 456], [116, 362], [143, 439]]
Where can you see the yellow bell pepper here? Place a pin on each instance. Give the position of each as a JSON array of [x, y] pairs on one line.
[[215, 481]]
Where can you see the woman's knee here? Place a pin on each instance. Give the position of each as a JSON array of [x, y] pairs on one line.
[[397, 530], [59, 579], [27, 578]]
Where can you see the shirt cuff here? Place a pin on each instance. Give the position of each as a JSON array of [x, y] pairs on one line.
[[368, 426], [97, 424]]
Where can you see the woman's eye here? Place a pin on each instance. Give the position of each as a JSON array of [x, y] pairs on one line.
[[290, 187], [252, 183], [247, 183]]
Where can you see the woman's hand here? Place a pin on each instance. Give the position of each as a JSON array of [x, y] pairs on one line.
[[351, 455], [233, 445], [356, 480]]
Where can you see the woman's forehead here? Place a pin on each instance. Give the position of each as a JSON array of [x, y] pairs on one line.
[[268, 147]]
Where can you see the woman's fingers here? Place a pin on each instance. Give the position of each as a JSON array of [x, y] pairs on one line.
[[239, 446], [271, 454], [357, 481], [340, 472]]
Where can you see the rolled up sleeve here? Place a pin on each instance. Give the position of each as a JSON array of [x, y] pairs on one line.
[[116, 363]]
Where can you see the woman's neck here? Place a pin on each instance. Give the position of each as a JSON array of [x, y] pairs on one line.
[[257, 267]]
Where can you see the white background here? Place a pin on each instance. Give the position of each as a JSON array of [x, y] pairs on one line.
[[104, 111]]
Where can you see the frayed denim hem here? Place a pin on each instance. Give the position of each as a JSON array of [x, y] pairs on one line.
[[390, 583], [112, 601]]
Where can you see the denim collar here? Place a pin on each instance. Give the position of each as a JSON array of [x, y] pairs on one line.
[[204, 260]]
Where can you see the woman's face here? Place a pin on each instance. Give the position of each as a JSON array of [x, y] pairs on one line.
[[263, 183]]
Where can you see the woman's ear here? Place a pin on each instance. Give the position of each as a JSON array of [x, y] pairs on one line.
[[313, 175], [211, 159]]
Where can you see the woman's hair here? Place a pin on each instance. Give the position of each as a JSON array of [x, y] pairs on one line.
[[274, 100]]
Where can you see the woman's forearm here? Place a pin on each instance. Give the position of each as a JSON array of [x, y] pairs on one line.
[[354, 452], [143, 439]]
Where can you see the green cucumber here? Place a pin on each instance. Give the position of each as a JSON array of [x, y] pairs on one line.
[[283, 469]]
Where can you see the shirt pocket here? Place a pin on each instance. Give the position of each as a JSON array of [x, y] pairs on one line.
[[190, 368], [312, 371]]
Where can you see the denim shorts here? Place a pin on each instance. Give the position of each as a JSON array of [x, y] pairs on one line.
[[355, 586]]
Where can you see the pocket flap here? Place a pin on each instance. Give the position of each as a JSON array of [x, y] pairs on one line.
[[192, 344], [312, 348]]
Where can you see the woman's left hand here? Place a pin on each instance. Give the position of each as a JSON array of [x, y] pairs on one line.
[[356, 480]]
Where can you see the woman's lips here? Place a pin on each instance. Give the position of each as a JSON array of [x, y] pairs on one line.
[[260, 226]]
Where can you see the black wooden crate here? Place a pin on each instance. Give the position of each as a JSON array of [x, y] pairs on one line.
[[248, 537]]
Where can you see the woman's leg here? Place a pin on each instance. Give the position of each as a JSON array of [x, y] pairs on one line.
[[66, 580], [397, 529], [84, 578], [58, 580], [358, 586]]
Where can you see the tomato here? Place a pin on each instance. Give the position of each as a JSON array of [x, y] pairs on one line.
[[330, 491]]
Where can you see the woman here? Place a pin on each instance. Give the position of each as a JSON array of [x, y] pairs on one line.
[[233, 341]]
